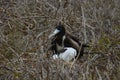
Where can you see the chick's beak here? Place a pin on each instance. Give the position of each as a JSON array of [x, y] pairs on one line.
[[54, 33]]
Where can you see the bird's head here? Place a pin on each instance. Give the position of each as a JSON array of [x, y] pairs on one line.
[[58, 32]]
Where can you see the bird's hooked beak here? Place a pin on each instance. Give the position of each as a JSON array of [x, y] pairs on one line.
[[54, 33]]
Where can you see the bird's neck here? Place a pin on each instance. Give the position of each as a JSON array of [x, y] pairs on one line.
[[60, 43]]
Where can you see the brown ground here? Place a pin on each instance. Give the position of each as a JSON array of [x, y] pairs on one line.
[[26, 24]]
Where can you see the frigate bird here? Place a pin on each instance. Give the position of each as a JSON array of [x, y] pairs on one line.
[[64, 45]]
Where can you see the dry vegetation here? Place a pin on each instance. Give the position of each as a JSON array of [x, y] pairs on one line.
[[26, 24]]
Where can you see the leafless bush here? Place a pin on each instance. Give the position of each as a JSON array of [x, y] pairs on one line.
[[26, 24]]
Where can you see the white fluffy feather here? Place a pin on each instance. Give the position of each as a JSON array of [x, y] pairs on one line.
[[67, 55]]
